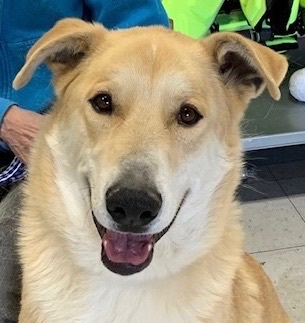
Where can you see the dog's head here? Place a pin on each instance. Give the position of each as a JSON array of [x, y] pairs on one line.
[[145, 134]]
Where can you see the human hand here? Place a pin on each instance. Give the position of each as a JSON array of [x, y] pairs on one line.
[[19, 129]]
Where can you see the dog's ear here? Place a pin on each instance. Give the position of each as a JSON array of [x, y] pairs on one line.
[[246, 66], [62, 48]]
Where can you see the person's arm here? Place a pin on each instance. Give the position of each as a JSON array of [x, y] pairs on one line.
[[18, 128], [116, 14], [5, 104]]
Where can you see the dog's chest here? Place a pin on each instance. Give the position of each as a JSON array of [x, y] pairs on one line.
[[136, 306]]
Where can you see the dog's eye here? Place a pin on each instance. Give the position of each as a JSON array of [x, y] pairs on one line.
[[188, 115], [102, 103]]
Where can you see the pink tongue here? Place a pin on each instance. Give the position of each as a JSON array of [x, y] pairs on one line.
[[127, 247]]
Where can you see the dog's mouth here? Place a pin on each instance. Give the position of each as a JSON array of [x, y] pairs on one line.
[[127, 253]]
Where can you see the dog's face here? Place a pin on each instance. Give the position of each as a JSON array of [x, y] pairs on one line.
[[145, 141]]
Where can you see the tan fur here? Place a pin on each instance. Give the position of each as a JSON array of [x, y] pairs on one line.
[[150, 72]]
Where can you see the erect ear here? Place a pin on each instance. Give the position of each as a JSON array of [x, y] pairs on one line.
[[62, 48], [245, 65]]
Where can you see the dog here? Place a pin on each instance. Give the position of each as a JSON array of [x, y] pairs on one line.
[[129, 208]]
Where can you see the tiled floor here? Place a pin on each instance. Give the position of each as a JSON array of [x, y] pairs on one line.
[[274, 221]]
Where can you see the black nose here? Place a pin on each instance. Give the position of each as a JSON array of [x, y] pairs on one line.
[[133, 208]]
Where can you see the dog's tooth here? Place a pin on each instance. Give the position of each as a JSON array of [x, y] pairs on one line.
[[105, 242], [149, 247]]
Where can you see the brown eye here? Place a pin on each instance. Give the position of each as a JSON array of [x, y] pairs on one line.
[[188, 115], [102, 103]]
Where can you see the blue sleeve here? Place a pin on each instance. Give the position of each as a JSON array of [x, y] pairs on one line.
[[4, 106], [115, 14]]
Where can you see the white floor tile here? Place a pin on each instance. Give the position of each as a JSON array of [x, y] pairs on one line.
[[272, 224], [299, 202], [286, 269]]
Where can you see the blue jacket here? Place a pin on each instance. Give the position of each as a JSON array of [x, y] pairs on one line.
[[23, 22]]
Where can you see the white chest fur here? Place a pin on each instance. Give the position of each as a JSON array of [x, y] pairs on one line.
[[137, 305]]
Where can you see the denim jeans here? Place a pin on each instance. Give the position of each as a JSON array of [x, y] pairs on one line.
[[10, 271]]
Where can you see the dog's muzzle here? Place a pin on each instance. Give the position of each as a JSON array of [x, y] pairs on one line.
[[130, 250]]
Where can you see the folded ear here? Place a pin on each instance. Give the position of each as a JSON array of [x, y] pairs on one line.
[[62, 48], [245, 65]]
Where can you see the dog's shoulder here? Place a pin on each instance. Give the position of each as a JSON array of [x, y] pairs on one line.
[[254, 297]]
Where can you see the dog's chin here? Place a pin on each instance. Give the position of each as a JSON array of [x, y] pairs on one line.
[[127, 253]]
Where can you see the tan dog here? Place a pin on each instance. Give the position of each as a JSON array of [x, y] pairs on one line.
[[129, 212]]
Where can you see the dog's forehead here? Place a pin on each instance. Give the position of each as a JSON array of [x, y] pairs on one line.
[[171, 83], [158, 61]]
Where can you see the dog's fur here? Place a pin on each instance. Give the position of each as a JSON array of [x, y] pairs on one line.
[[199, 271]]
